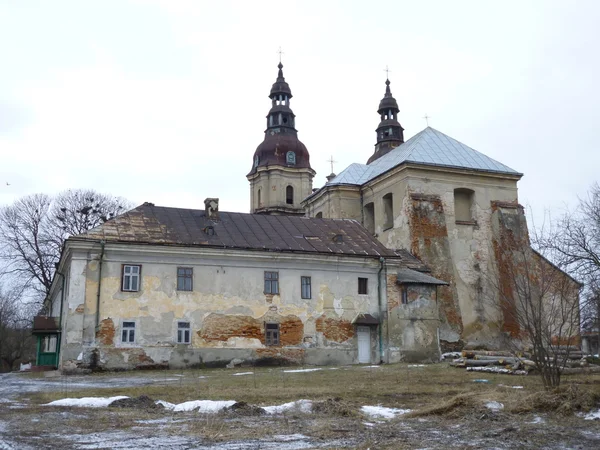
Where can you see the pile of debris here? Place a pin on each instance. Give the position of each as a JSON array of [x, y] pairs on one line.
[[496, 361]]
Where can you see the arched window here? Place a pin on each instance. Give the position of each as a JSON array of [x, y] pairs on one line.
[[259, 199], [463, 205], [289, 195], [319, 215], [388, 211]]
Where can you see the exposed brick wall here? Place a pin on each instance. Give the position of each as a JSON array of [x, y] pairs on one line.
[[105, 334], [430, 243], [336, 330], [220, 327]]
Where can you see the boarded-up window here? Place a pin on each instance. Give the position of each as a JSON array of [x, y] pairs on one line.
[[272, 334], [463, 205], [369, 217], [388, 211]]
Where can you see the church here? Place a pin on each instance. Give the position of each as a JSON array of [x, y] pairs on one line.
[[390, 260]]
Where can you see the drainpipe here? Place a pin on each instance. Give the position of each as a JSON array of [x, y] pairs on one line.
[[102, 243], [379, 292], [60, 319]]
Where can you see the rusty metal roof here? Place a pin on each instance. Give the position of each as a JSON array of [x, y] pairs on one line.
[[160, 225], [43, 324], [407, 276]]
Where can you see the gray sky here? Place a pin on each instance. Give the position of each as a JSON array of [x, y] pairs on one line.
[[165, 101]]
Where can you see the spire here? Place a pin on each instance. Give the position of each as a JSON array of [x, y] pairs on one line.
[[390, 133]]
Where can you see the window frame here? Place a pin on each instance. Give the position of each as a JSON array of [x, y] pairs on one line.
[[303, 285], [289, 199], [363, 285], [184, 334], [130, 276], [404, 295], [129, 331], [273, 282], [185, 277], [272, 335], [49, 343]]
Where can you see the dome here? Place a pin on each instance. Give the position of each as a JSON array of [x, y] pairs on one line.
[[280, 86], [274, 151]]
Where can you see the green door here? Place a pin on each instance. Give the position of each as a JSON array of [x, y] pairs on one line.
[[48, 347]]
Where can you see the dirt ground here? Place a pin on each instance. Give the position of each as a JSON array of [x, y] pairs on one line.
[[449, 408]]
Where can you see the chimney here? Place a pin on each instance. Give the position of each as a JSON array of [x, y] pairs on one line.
[[211, 207]]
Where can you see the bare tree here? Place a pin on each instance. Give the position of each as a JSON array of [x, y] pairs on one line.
[[34, 228], [16, 340], [539, 302], [575, 244]]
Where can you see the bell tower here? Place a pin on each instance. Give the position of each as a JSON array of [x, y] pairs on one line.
[[281, 176], [390, 133]]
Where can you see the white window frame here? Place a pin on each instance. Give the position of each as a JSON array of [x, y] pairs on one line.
[[129, 275], [128, 332], [49, 343], [184, 333]]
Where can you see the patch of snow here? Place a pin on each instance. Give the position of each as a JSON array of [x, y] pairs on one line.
[[496, 370], [450, 355], [538, 419], [494, 406], [202, 406], [517, 387], [301, 370], [592, 415], [80, 356], [369, 367], [86, 402], [166, 379], [333, 368], [302, 405], [289, 437], [416, 365], [242, 373], [481, 380], [382, 411], [202, 376], [368, 424]]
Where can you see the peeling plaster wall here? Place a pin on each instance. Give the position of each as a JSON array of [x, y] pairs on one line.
[[459, 253], [413, 326], [227, 308]]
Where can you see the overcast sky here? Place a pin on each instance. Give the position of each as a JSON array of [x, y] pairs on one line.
[[165, 101]]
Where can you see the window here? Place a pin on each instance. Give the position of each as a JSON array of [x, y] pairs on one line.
[[128, 332], [185, 277], [289, 195], [259, 199], [369, 217], [49, 344], [271, 282], [305, 290], [463, 205], [319, 215], [272, 334], [291, 158], [362, 285], [183, 333], [388, 211], [131, 277], [404, 295]]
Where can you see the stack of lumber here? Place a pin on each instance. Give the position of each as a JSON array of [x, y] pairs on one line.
[[571, 357], [491, 361]]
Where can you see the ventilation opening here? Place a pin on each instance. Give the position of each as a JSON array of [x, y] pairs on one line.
[[209, 230]]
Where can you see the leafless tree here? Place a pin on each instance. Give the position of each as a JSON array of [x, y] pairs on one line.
[[538, 301], [575, 243], [16, 340], [34, 228]]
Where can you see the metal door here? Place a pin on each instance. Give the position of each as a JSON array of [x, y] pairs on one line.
[[364, 344]]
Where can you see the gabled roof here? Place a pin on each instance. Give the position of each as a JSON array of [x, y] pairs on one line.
[[429, 147], [148, 224]]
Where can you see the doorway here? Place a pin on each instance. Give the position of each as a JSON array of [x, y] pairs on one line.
[[364, 344]]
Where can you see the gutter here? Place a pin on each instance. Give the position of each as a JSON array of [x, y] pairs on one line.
[[102, 244]]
